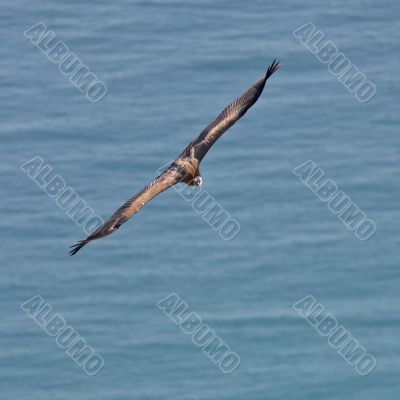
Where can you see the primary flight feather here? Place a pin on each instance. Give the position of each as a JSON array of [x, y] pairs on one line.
[[185, 168]]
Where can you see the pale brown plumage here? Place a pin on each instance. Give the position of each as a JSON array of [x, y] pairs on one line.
[[186, 167]]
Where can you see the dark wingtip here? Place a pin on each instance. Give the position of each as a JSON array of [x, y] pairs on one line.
[[76, 247], [273, 68]]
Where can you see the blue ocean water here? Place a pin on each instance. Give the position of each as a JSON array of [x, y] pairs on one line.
[[170, 67]]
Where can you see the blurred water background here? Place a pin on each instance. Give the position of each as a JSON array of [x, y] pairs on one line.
[[170, 67]]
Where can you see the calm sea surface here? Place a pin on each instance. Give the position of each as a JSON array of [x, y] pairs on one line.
[[170, 67]]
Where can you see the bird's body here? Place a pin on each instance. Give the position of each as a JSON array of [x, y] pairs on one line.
[[185, 168]]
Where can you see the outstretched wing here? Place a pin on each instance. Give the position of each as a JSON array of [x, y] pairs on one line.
[[168, 178], [232, 113]]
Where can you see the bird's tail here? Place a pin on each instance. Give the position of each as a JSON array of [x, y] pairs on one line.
[[273, 68], [76, 247]]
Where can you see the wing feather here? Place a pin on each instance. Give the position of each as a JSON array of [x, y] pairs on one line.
[[232, 113], [168, 178]]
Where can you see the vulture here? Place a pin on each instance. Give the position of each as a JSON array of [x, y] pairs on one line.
[[185, 168]]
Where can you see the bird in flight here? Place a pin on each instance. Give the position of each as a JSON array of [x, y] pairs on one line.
[[185, 169]]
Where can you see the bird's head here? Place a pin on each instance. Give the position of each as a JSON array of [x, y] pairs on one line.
[[197, 181]]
